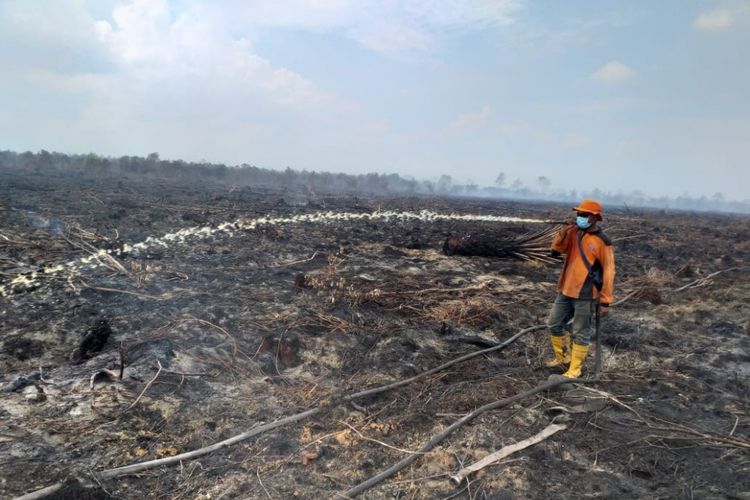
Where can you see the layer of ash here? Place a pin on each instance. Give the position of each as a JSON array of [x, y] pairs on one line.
[[222, 334]]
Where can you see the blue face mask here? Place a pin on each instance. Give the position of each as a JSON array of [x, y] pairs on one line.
[[583, 222]]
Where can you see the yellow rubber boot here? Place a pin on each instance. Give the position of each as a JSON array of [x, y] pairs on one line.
[[576, 360], [562, 353]]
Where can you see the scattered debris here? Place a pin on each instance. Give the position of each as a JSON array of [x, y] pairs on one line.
[[352, 300]]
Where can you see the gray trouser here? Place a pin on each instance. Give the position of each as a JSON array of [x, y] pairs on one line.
[[580, 310]]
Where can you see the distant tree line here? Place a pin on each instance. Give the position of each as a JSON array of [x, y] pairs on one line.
[[92, 165], [312, 182], [636, 198]]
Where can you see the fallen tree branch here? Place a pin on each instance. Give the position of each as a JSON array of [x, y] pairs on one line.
[[138, 467], [436, 439], [43, 493], [507, 451], [134, 468], [465, 357]]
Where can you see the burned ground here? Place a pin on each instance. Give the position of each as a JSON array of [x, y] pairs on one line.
[[221, 333]]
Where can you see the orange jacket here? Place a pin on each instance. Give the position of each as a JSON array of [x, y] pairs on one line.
[[574, 280]]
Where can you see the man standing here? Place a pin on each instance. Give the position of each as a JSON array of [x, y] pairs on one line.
[[586, 282]]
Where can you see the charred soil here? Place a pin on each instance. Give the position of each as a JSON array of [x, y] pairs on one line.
[[150, 351]]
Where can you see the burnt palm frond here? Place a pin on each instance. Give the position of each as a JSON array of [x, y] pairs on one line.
[[533, 246]]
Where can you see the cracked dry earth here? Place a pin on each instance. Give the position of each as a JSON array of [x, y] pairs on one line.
[[267, 320]]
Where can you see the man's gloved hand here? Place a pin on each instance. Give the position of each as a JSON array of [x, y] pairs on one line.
[[603, 310], [570, 224]]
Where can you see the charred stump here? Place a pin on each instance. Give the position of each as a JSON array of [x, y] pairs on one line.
[[93, 342]]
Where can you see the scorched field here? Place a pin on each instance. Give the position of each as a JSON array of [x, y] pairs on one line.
[[330, 338]]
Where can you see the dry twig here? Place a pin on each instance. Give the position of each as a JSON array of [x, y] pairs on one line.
[[148, 384], [703, 281], [362, 436], [232, 340], [287, 264], [257, 474]]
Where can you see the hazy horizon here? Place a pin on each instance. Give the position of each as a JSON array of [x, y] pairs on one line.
[[619, 96]]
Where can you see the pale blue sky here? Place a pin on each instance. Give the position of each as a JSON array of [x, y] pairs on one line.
[[616, 95]]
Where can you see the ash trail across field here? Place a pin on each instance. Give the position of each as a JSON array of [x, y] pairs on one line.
[[29, 280]]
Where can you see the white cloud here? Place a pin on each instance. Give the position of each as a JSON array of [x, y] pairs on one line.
[[184, 77], [150, 44], [147, 54], [192, 51], [575, 141], [714, 20], [613, 72], [471, 121], [329, 14], [59, 36], [177, 82], [392, 38], [513, 129], [388, 26]]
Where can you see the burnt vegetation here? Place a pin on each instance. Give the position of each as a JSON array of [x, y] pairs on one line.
[[183, 345], [531, 247], [300, 183]]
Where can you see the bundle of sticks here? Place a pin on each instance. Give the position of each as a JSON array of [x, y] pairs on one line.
[[533, 246]]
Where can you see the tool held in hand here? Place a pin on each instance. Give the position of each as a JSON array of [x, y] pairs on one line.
[[597, 334]]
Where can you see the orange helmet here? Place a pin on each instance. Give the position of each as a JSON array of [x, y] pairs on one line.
[[589, 206]]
